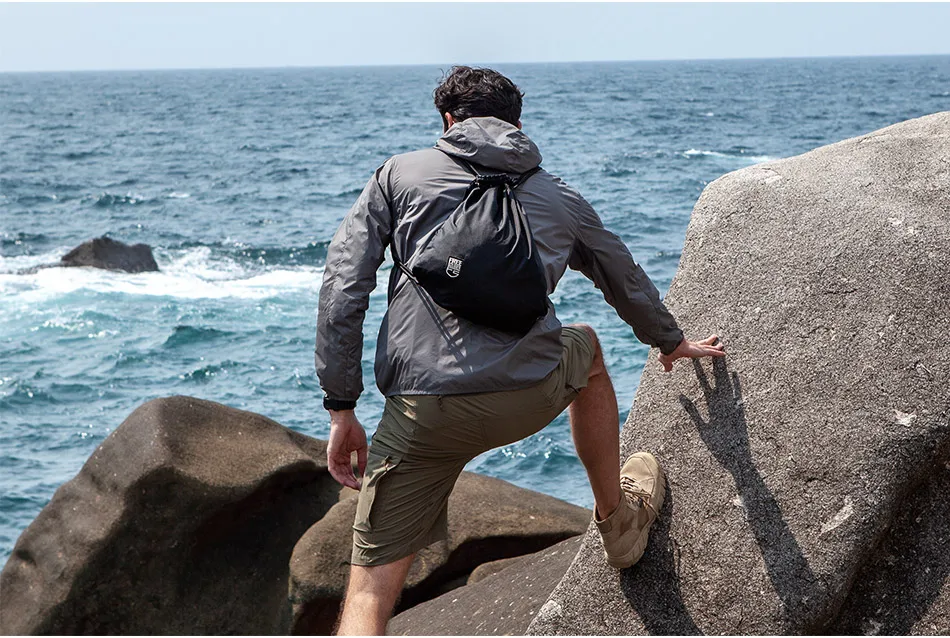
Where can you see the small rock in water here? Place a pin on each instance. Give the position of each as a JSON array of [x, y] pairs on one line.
[[109, 254]]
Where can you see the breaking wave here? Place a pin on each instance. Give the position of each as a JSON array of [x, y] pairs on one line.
[[191, 273], [751, 159]]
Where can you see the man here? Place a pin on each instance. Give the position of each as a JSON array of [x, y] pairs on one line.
[[455, 389]]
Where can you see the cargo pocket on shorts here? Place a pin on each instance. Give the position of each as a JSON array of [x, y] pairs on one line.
[[366, 507]]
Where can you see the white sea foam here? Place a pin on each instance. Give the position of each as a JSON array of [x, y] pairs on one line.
[[178, 195], [9, 265], [751, 159], [191, 274]]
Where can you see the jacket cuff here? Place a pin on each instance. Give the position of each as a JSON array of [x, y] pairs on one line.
[[338, 404], [667, 346]]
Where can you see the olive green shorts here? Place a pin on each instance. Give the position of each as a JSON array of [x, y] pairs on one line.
[[423, 442]]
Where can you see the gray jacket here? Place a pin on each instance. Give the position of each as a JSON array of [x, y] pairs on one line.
[[424, 349]]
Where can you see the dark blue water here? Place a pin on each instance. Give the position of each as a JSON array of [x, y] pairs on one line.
[[239, 179]]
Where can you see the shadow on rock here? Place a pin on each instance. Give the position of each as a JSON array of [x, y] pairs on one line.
[[652, 586], [726, 434], [904, 588]]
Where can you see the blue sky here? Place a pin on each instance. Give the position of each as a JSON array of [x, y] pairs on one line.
[[41, 37]]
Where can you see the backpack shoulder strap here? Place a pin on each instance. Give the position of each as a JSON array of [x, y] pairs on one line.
[[526, 176]]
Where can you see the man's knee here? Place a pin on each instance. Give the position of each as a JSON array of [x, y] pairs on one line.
[[597, 364]]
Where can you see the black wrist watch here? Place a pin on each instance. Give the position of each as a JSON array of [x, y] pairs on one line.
[[337, 404]]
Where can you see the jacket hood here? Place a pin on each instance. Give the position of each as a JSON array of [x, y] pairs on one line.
[[492, 143]]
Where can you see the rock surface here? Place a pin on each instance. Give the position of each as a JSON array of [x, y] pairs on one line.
[[826, 277], [485, 570], [502, 603], [489, 519], [109, 254], [905, 589], [181, 522]]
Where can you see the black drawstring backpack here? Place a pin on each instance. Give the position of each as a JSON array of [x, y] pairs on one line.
[[481, 262]]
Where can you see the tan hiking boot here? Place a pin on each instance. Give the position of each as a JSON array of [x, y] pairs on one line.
[[626, 531]]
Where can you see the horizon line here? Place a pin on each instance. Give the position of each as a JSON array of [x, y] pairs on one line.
[[436, 64]]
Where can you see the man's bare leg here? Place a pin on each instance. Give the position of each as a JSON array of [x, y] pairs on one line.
[[595, 426], [371, 596]]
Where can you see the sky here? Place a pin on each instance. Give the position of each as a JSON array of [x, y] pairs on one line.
[[76, 36]]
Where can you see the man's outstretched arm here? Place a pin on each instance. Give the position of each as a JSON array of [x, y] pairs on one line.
[[349, 276], [603, 257]]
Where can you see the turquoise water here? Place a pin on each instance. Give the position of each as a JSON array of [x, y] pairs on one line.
[[238, 179]]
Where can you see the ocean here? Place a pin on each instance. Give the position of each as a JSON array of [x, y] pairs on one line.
[[239, 178]]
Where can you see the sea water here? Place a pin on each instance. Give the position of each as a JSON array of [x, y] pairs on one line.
[[238, 179]]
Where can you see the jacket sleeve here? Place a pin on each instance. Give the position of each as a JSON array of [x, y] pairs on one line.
[[605, 260], [349, 276]]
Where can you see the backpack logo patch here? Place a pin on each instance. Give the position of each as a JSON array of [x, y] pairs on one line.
[[454, 267]]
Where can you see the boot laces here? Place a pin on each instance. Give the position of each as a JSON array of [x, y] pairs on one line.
[[636, 495]]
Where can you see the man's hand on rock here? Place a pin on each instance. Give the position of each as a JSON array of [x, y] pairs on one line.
[[693, 350], [346, 436]]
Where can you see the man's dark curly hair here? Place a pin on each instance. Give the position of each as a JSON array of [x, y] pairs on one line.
[[466, 92]]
